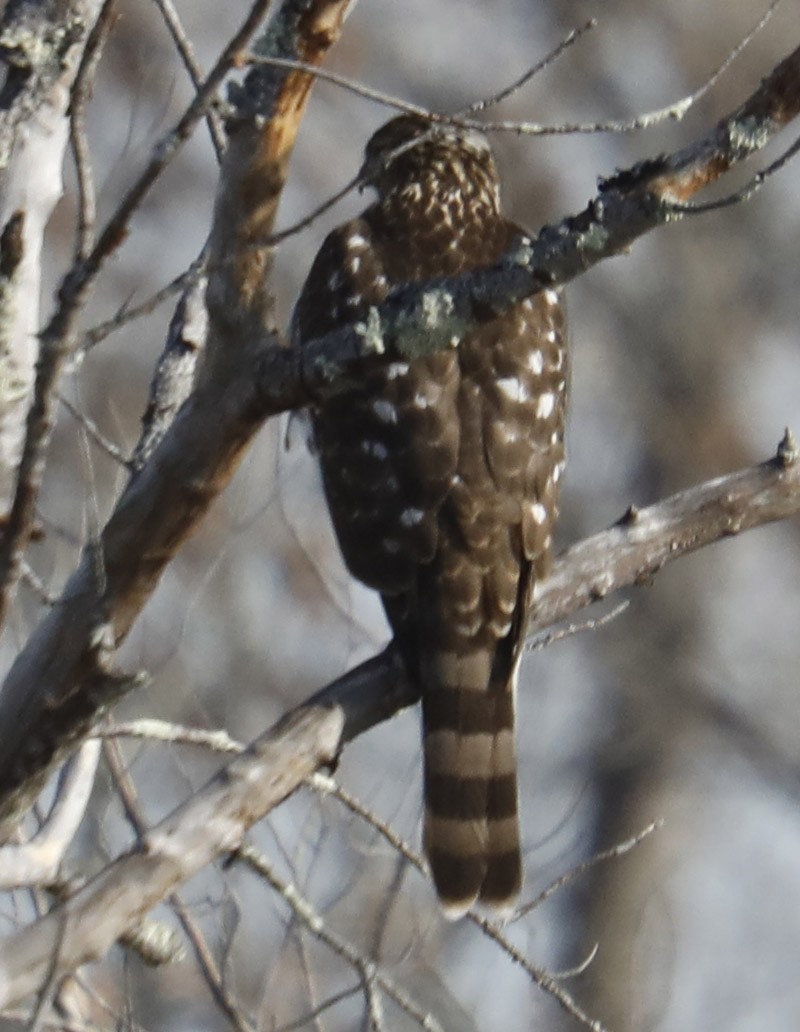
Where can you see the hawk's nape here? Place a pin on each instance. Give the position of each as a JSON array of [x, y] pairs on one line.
[[442, 476]]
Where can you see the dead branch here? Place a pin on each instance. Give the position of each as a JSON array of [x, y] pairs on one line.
[[38, 861], [166, 501], [214, 820], [629, 553]]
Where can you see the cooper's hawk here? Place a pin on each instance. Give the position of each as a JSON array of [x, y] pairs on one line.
[[441, 475]]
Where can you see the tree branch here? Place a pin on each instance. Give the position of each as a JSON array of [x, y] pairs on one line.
[[38, 862], [168, 498], [628, 553], [42, 64], [214, 820]]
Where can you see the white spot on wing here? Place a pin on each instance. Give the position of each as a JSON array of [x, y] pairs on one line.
[[536, 362], [545, 405], [411, 517], [539, 513], [506, 433], [374, 448], [356, 241], [513, 388], [551, 297], [393, 370], [385, 410]]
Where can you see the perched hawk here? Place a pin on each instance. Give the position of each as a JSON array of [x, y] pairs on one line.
[[442, 475]]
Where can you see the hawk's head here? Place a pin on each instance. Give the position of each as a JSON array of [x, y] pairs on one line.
[[424, 162]]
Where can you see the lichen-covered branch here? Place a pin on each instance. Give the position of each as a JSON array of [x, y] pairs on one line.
[[41, 45], [422, 318]]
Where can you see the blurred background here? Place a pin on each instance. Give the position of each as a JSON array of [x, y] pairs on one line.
[[684, 708]]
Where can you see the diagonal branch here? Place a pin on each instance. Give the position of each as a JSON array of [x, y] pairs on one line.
[[168, 498], [214, 820], [627, 554]]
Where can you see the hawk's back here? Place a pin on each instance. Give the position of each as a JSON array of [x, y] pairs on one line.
[[441, 475]]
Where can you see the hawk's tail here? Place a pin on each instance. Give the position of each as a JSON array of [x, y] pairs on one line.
[[471, 821]]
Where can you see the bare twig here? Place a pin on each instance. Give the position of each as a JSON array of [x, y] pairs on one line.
[[568, 41], [93, 431], [209, 967], [580, 968], [548, 638], [79, 98], [371, 975], [184, 47], [212, 822], [128, 313], [313, 1015], [675, 111], [164, 731], [580, 869], [38, 861], [545, 980], [34, 581]]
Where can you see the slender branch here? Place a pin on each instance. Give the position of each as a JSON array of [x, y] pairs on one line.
[[186, 51], [614, 853], [371, 975], [38, 861], [79, 98], [209, 968], [212, 822], [92, 430], [128, 312]]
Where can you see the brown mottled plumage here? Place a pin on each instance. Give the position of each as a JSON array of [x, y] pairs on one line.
[[441, 476]]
